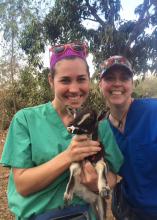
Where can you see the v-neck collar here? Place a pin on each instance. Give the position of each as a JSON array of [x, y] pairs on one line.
[[127, 121], [56, 120]]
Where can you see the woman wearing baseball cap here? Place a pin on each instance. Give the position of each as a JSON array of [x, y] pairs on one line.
[[134, 124]]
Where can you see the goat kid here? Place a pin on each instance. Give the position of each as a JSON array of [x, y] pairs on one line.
[[86, 122]]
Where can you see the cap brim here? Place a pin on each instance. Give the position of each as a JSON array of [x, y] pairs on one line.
[[120, 67]]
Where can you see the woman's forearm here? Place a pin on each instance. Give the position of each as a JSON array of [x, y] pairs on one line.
[[31, 180], [34, 179]]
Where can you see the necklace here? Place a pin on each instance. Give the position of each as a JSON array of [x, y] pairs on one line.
[[121, 120]]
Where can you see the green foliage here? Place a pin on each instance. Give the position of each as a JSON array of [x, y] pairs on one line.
[[96, 100], [109, 36], [32, 42], [5, 115], [146, 87], [31, 89], [13, 15]]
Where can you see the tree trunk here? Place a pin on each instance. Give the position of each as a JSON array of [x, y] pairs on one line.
[[12, 65]]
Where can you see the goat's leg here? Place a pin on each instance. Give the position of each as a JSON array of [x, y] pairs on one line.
[[99, 207], [95, 209], [102, 208], [74, 171], [103, 187]]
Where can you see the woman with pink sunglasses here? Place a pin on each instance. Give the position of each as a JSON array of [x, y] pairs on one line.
[[39, 149]]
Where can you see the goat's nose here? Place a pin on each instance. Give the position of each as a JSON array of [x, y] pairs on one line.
[[69, 129]]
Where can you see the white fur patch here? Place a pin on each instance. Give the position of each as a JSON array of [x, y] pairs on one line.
[[84, 118]]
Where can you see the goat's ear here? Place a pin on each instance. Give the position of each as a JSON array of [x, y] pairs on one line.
[[92, 112], [70, 111], [95, 114], [103, 114], [99, 116]]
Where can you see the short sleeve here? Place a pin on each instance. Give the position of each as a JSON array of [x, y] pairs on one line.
[[17, 148], [113, 154]]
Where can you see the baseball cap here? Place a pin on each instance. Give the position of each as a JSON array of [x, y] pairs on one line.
[[115, 62]]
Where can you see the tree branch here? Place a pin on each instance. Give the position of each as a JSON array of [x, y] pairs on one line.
[[141, 23], [90, 19], [95, 15]]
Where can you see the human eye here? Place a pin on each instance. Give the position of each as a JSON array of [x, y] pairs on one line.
[[65, 80], [109, 78], [82, 79], [125, 78]]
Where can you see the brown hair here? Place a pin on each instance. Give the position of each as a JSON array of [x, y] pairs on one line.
[[53, 70]]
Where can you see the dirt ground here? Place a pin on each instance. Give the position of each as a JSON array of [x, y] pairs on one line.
[[4, 173]]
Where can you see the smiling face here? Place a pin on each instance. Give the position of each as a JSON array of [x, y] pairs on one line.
[[70, 83], [117, 87]]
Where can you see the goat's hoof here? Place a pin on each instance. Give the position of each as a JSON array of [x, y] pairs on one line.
[[105, 192], [67, 198], [66, 202]]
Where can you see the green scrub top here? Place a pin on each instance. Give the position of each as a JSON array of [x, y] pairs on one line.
[[36, 135], [112, 152]]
